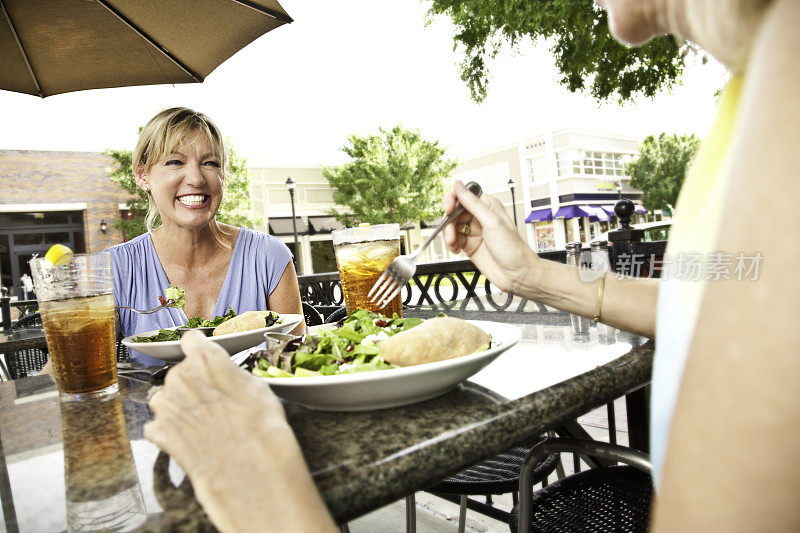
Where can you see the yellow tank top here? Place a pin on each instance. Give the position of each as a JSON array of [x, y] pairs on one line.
[[698, 218]]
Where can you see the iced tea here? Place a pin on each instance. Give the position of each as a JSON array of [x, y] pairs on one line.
[[102, 485], [81, 341], [360, 265]]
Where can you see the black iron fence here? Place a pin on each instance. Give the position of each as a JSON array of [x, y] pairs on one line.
[[433, 284]]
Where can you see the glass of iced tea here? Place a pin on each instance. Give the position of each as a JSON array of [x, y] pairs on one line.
[[362, 254], [76, 301], [102, 487]]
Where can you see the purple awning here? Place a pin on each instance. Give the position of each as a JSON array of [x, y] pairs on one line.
[[598, 214], [594, 213], [610, 209], [540, 215], [571, 211]]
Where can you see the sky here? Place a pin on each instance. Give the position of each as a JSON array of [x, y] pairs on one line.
[[293, 96]]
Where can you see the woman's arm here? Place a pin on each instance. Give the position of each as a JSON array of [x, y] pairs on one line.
[[206, 405], [285, 297], [502, 256], [734, 450]]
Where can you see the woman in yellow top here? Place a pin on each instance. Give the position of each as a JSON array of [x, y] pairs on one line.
[[725, 400]]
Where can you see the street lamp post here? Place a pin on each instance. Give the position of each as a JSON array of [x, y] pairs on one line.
[[513, 200], [618, 187], [291, 185]]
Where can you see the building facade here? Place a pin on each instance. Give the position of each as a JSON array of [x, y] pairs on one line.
[[313, 198], [566, 184], [51, 198], [559, 187]]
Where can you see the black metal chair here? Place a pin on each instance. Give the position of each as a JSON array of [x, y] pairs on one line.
[[312, 316], [28, 321], [607, 498], [336, 315], [494, 476], [24, 362], [123, 355]]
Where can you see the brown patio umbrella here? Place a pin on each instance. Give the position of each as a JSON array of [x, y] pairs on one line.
[[56, 46]]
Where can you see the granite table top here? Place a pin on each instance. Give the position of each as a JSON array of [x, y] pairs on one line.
[[74, 463]]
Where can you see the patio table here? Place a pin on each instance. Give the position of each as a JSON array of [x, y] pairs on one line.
[[360, 460]]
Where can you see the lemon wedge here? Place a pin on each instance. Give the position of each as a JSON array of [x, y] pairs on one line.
[[58, 255]]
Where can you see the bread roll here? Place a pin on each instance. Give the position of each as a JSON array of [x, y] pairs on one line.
[[435, 339], [244, 322]]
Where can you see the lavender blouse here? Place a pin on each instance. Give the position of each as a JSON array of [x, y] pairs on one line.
[[256, 267]]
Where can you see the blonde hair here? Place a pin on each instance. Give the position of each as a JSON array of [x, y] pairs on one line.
[[724, 28], [163, 134]]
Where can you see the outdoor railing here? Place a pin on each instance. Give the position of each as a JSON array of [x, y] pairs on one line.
[[25, 307], [441, 283], [446, 282]]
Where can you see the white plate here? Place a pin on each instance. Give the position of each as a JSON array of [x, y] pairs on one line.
[[382, 389], [232, 342]]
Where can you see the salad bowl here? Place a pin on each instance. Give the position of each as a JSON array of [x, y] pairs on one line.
[[232, 342], [382, 389]]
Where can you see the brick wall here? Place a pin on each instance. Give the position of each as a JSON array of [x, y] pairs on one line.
[[43, 177]]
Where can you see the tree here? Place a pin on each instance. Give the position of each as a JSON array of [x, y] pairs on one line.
[[395, 176], [661, 167], [583, 48], [234, 209]]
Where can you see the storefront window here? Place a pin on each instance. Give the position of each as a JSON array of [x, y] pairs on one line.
[[545, 236], [570, 231], [26, 239]]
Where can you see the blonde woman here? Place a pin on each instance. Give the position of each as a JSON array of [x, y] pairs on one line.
[[726, 405], [179, 160]]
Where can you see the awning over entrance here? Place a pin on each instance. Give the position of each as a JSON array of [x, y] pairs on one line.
[[282, 226], [596, 213], [610, 209], [574, 211], [539, 215], [323, 224], [599, 214]]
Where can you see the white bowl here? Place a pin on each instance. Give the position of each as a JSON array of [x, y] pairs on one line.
[[232, 342], [381, 389]]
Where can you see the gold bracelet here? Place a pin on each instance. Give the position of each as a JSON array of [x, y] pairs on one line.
[[599, 303]]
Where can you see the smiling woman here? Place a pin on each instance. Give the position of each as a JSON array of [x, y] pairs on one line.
[[180, 161]]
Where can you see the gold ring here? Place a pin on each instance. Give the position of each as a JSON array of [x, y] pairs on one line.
[[465, 230]]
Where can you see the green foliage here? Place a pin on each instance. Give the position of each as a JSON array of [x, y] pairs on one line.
[[395, 176], [123, 175], [584, 50], [661, 167], [234, 210]]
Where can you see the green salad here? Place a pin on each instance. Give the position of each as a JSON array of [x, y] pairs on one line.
[[352, 347], [176, 294], [165, 335]]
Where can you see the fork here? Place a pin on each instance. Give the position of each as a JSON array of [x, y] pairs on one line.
[[148, 311], [145, 375], [402, 269]]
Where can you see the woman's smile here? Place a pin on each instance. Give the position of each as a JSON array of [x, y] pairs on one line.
[[193, 201]]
